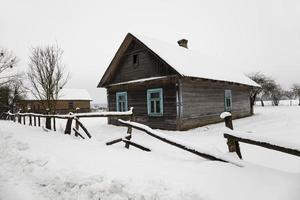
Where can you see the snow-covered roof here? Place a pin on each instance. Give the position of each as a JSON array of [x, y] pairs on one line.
[[69, 94], [140, 80], [193, 64]]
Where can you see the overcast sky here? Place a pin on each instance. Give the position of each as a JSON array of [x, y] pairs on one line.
[[254, 35]]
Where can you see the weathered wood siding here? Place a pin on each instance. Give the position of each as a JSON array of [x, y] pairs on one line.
[[203, 101], [62, 106], [137, 98], [149, 65]]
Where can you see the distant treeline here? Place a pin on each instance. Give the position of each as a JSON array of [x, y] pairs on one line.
[[271, 90]]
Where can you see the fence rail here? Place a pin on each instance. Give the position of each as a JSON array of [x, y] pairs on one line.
[[204, 153], [34, 119], [275, 147], [233, 140]]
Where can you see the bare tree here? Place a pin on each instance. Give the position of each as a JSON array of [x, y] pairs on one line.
[[46, 75], [276, 93], [7, 61], [290, 95], [257, 92], [296, 91], [11, 93]]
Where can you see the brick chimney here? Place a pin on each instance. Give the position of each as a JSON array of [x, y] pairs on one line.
[[183, 43]]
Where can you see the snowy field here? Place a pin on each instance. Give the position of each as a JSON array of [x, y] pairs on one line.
[[37, 165]]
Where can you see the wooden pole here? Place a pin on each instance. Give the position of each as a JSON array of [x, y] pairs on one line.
[[114, 141], [181, 146], [69, 125], [129, 134], [265, 145], [30, 120], [128, 137], [76, 124], [24, 119], [19, 118], [34, 120], [136, 145], [48, 121], [54, 124], [233, 145], [84, 129], [39, 121], [77, 133]]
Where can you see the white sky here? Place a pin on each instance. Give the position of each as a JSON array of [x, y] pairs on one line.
[[254, 35]]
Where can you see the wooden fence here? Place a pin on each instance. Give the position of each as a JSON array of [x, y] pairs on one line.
[[34, 119], [233, 140], [207, 154]]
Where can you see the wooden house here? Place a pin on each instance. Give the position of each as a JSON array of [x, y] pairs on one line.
[[172, 87], [68, 101]]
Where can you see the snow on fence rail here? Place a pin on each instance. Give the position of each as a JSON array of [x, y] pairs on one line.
[[290, 148], [35, 119], [234, 137], [207, 154]]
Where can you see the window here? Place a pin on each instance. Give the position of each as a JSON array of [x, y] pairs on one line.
[[228, 100], [71, 105], [121, 101], [135, 59], [155, 102]]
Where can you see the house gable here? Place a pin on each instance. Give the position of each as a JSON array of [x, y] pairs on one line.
[[134, 61]]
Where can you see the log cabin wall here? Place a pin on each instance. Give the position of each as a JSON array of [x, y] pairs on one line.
[[137, 98], [62, 106], [188, 102], [147, 65], [203, 101]]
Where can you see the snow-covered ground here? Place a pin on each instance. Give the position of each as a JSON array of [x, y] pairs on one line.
[[37, 165], [293, 102]]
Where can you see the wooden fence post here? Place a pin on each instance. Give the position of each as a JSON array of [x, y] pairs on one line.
[[39, 121], [30, 120], [34, 120], [69, 125], [233, 145], [54, 124], [76, 121], [24, 119], [129, 133], [77, 124], [19, 118], [48, 121], [14, 117]]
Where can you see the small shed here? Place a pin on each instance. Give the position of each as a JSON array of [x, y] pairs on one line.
[[68, 101], [172, 87]]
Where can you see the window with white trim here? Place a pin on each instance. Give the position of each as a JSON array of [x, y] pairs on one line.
[[155, 102], [121, 101], [228, 100]]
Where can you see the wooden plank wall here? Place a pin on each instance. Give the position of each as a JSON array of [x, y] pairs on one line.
[[148, 65], [62, 106], [137, 98], [203, 101]]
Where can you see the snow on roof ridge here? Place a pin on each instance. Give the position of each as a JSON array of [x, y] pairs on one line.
[[186, 62], [139, 80]]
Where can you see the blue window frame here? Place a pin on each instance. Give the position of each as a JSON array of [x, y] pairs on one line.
[[228, 100], [155, 102], [121, 101]]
